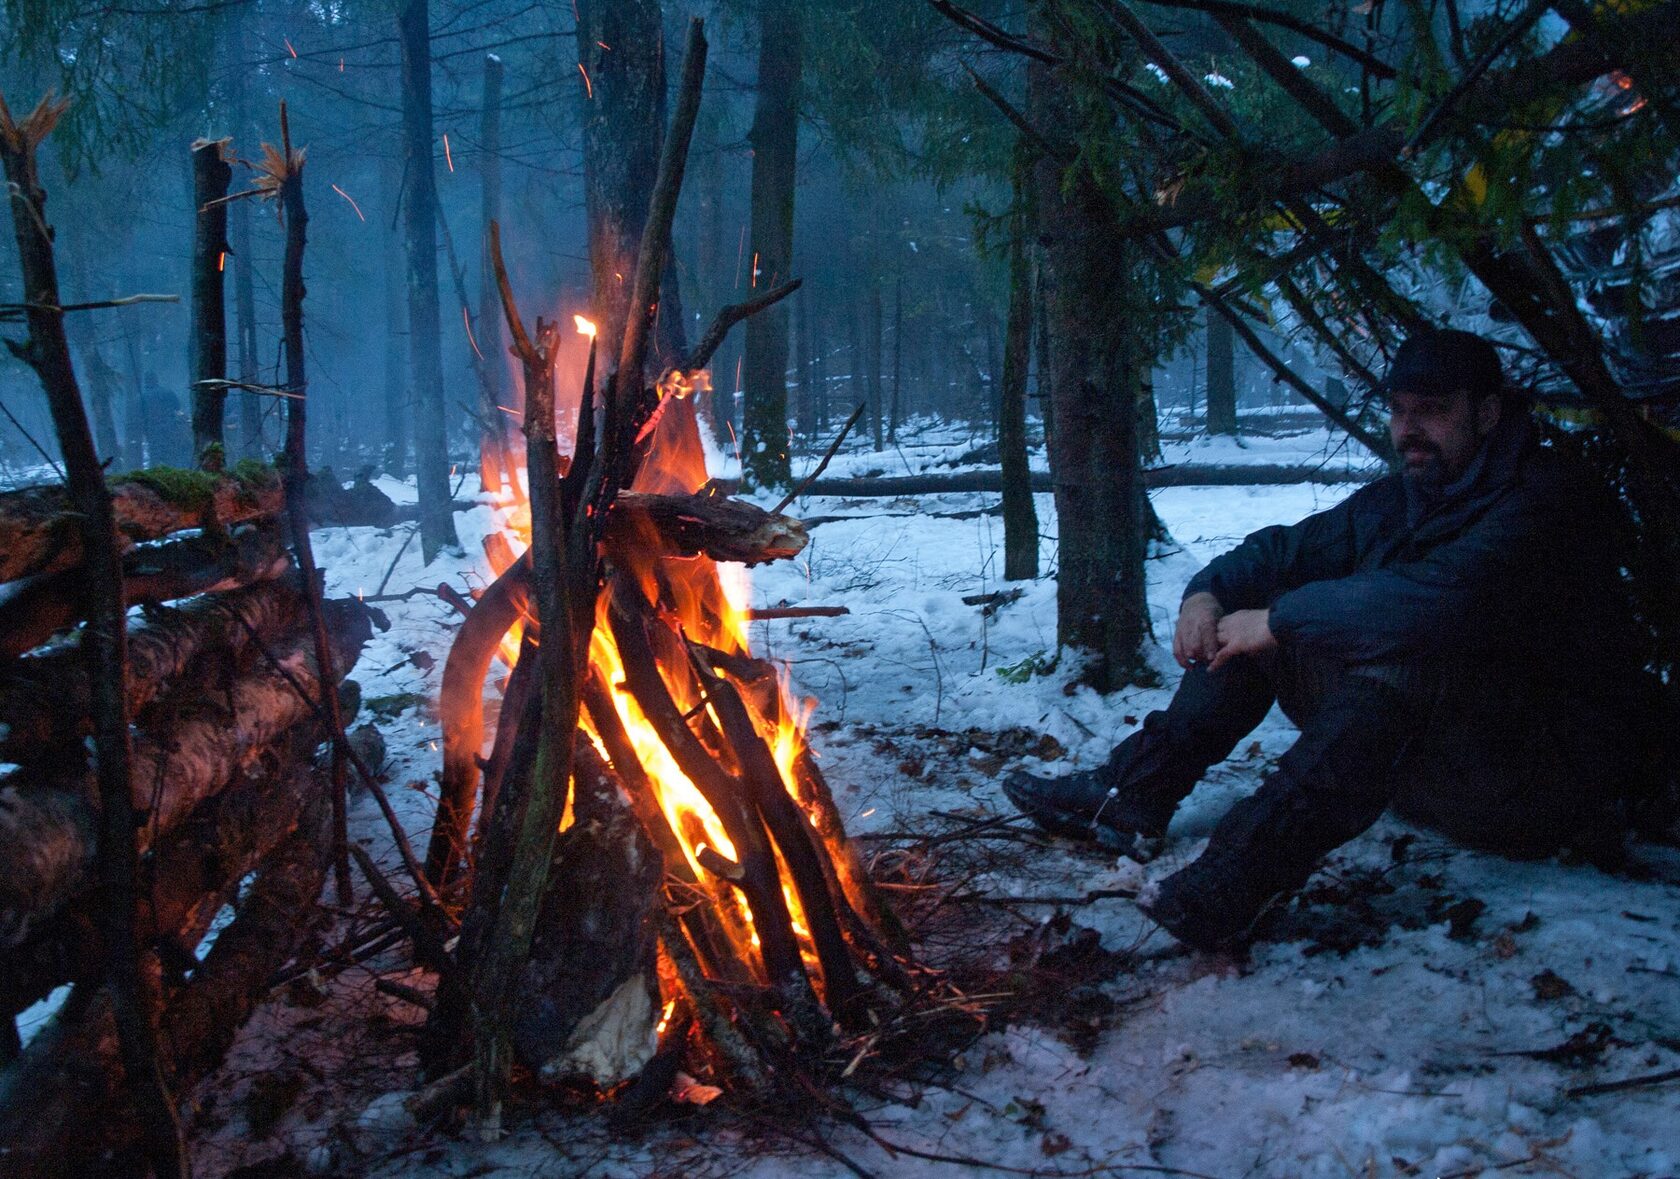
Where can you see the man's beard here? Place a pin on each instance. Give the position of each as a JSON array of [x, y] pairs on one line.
[[1424, 464]]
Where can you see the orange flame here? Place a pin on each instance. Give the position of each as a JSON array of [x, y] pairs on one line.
[[707, 604]]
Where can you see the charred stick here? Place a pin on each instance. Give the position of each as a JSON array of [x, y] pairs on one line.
[[428, 947], [721, 1033], [828, 457], [791, 831], [760, 883], [701, 354], [656, 236], [297, 482]]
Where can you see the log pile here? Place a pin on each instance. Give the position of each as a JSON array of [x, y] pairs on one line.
[[223, 692]]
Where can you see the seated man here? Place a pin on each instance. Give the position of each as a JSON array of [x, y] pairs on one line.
[[1452, 641]]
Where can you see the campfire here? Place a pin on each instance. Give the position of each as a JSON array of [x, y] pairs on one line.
[[762, 929], [650, 871]]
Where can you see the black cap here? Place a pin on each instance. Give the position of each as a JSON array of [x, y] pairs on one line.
[[1441, 361]]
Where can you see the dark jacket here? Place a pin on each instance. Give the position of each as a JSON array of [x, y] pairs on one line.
[[1506, 589]]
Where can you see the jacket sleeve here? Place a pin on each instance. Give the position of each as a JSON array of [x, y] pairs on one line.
[[1502, 577], [1280, 558]]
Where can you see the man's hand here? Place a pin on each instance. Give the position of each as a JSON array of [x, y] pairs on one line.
[[1243, 632], [1197, 638]]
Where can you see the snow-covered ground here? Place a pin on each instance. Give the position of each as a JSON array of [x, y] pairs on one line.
[[1386, 1026]]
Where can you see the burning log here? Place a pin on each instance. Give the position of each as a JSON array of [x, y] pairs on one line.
[[44, 701], [34, 611], [711, 526], [721, 528], [47, 827], [39, 530], [62, 1108]]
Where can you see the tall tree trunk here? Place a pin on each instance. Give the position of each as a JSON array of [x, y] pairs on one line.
[[802, 364], [1148, 419], [396, 396], [872, 359], [239, 222], [713, 271], [1221, 375], [775, 146], [134, 413], [898, 354], [493, 437], [623, 107], [855, 363], [1041, 328], [819, 370], [207, 352], [425, 345], [1020, 517], [1095, 361], [101, 377]]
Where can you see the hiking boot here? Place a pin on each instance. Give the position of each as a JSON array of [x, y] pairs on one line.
[[1208, 905], [1085, 807]]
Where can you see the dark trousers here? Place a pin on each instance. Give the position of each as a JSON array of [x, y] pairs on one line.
[[1441, 744]]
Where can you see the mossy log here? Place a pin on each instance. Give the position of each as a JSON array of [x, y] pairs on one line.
[[47, 822], [44, 701], [39, 529]]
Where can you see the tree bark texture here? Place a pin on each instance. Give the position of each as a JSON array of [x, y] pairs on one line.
[[134, 419], [775, 146], [239, 223], [1096, 357], [623, 111], [425, 344], [48, 828], [207, 351], [1221, 375], [46, 702], [33, 612], [394, 372], [193, 870], [872, 363], [1020, 516]]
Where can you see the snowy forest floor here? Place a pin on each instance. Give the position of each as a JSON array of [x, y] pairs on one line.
[[1421, 1010]]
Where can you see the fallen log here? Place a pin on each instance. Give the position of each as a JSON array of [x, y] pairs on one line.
[[44, 700], [1183, 475], [63, 1105], [36, 610], [721, 528], [192, 874], [47, 824], [39, 529]]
